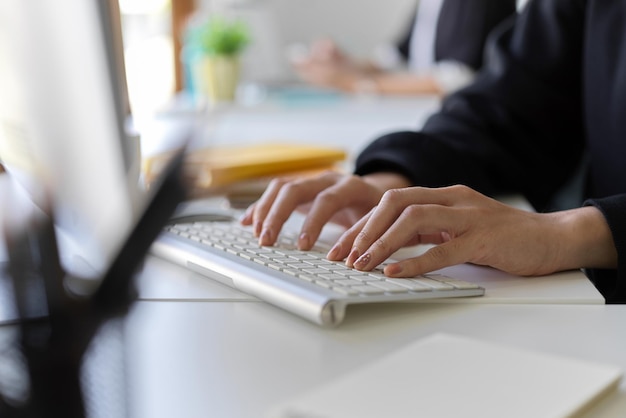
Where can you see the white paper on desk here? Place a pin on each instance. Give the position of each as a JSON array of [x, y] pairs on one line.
[[452, 376]]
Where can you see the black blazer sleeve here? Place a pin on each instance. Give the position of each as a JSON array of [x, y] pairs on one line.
[[464, 26], [518, 128], [612, 283], [462, 29]]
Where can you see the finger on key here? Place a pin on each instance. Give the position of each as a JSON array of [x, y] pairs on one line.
[[288, 198], [325, 205], [262, 206], [348, 192], [414, 220], [247, 217], [342, 247], [379, 221]]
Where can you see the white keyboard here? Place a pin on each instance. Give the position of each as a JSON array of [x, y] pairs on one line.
[[311, 266]]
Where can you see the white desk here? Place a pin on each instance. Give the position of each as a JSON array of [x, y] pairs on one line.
[[237, 359]]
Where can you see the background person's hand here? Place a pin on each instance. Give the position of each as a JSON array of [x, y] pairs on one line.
[[326, 65], [334, 197], [466, 226]]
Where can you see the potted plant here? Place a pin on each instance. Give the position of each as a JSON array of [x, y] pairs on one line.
[[221, 42]]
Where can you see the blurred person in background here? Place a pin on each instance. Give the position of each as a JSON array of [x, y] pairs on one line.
[[441, 51]]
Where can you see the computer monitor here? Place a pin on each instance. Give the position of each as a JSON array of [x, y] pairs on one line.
[[63, 107]]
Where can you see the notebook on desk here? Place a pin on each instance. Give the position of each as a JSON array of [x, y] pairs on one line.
[[447, 375]]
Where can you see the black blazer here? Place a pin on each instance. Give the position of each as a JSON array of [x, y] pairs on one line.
[[462, 29], [552, 89]]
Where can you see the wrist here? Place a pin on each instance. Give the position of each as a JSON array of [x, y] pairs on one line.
[[587, 239]]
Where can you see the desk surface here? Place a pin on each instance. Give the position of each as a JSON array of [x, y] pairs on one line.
[[237, 359]]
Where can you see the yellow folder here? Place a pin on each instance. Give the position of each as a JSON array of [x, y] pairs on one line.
[[219, 166]]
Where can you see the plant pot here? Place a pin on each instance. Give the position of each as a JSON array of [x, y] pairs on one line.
[[217, 77]]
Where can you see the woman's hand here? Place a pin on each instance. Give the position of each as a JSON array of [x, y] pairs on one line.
[[466, 226], [326, 65], [332, 196]]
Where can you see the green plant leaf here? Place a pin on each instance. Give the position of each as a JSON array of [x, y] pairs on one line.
[[219, 36]]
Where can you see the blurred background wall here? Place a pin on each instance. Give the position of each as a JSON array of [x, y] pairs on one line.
[[279, 27]]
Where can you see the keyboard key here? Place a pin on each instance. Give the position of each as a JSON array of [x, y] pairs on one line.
[[388, 286], [411, 285], [435, 284], [370, 290]]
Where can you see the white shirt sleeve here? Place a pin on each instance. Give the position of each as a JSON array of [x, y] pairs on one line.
[[422, 44], [450, 75]]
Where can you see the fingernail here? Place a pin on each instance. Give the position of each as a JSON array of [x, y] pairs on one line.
[[266, 237], [393, 269], [303, 241], [352, 257], [362, 262], [244, 219], [334, 252]]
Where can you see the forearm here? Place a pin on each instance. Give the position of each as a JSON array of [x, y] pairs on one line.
[[444, 78], [381, 82], [405, 84]]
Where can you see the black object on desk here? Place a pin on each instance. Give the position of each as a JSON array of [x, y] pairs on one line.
[[50, 350]]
